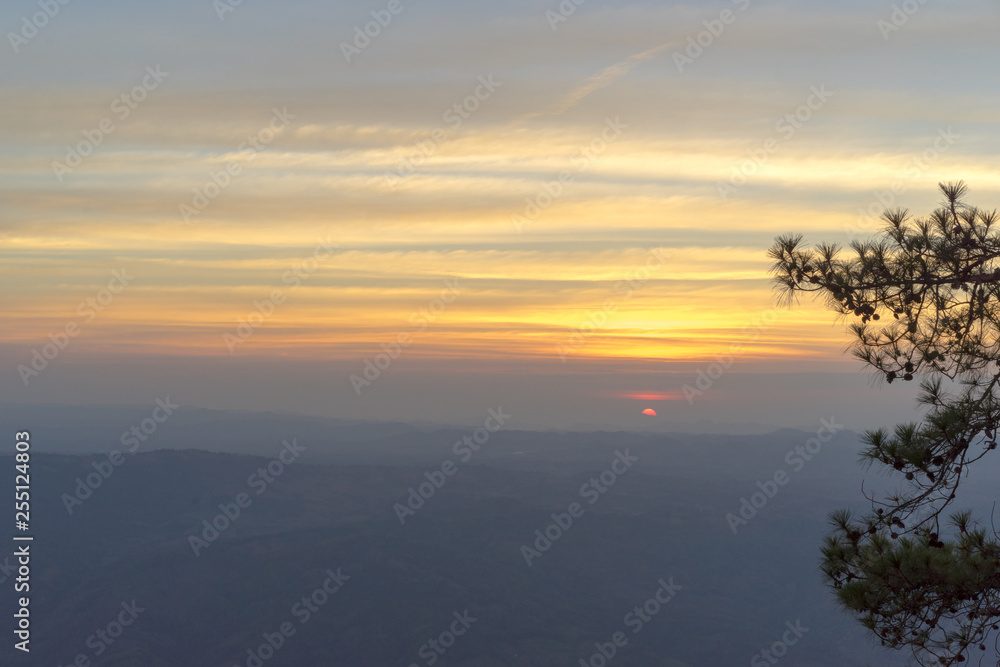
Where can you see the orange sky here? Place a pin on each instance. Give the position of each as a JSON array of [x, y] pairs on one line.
[[579, 193]]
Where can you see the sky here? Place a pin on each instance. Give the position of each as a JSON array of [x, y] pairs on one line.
[[560, 209]]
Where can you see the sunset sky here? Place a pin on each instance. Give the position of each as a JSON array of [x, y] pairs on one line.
[[415, 190]]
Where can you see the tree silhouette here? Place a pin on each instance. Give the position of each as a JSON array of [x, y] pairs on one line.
[[924, 299]]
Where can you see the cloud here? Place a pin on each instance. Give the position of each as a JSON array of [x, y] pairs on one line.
[[602, 79]]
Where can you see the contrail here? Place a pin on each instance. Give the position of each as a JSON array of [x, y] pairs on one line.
[[600, 80]]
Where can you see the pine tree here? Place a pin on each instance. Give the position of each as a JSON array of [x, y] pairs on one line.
[[924, 299]]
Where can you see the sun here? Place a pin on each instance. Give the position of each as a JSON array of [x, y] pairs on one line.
[[649, 411]]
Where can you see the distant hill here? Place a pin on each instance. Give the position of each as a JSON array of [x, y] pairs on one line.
[[664, 518]]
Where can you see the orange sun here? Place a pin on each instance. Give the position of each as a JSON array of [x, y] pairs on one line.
[[649, 411]]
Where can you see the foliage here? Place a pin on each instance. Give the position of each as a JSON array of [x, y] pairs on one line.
[[924, 295]]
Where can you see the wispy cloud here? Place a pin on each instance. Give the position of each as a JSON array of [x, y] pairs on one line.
[[602, 79]]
